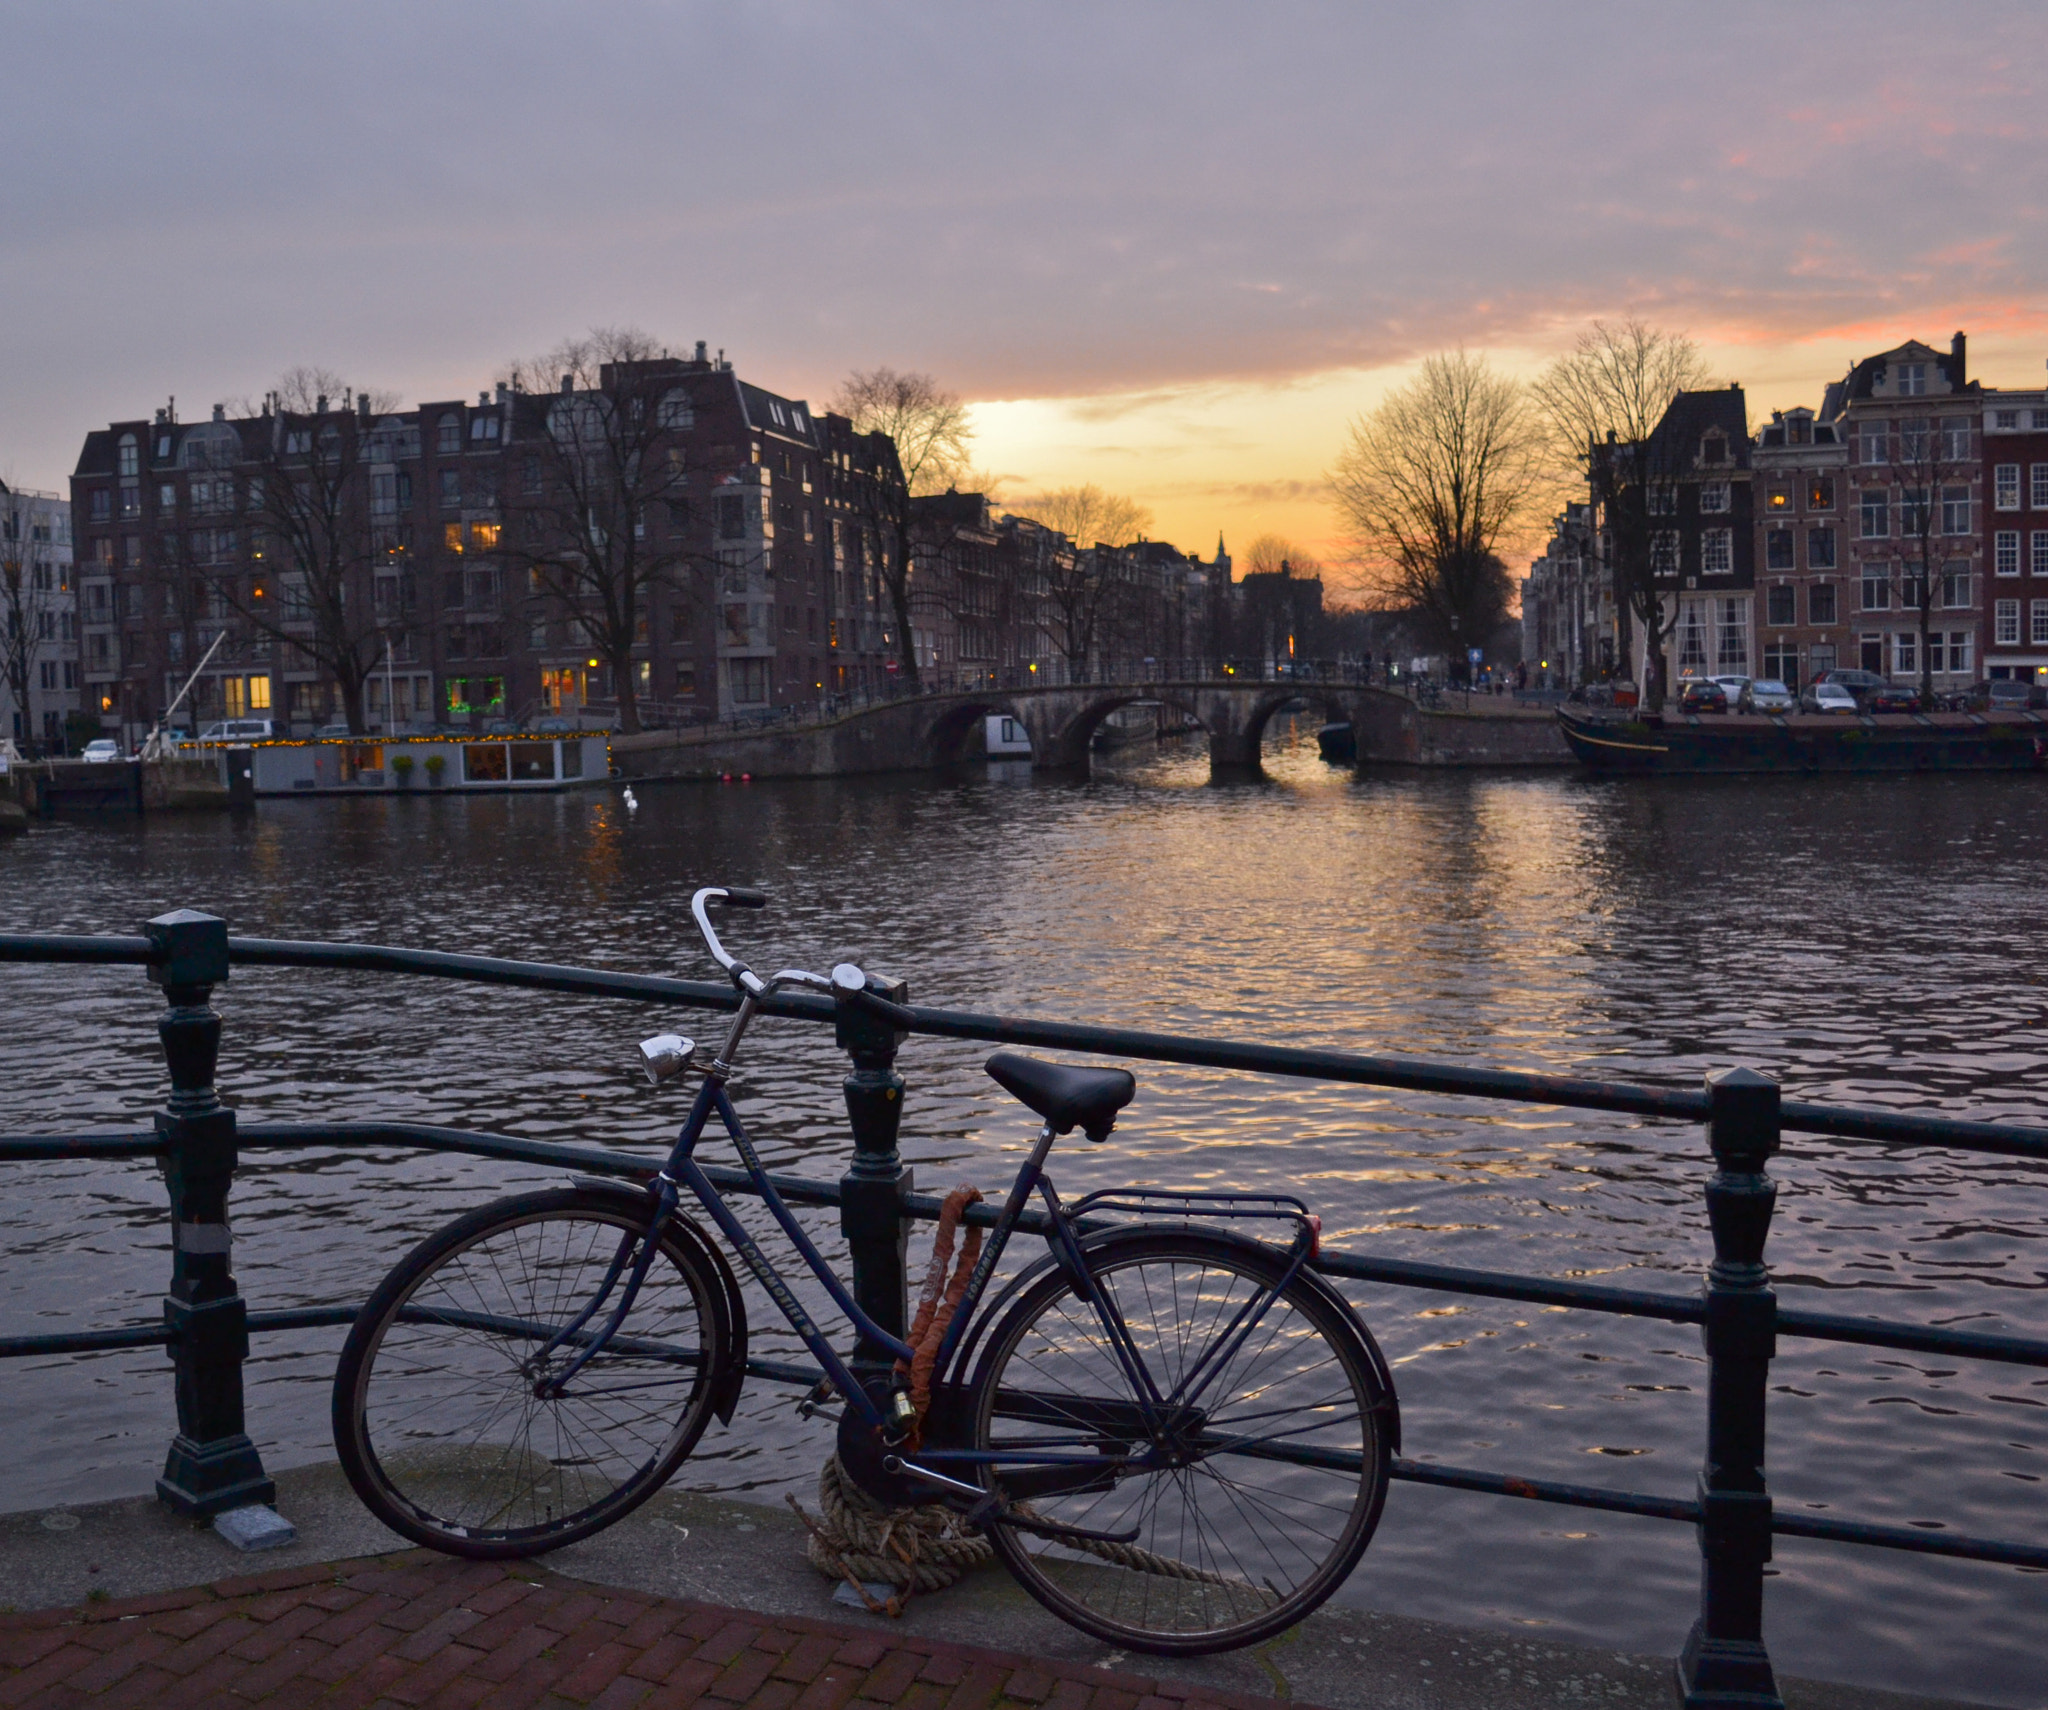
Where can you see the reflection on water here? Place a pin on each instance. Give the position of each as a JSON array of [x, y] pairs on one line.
[[1872, 942]]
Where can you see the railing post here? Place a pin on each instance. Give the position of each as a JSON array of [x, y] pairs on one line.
[[1725, 1664], [212, 1466], [871, 1192]]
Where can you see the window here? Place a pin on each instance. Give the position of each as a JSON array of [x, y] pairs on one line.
[[1959, 650], [1913, 512], [1778, 553], [1781, 663], [1660, 499], [674, 412], [1714, 497], [1914, 439], [448, 434], [1876, 513], [2005, 623], [2040, 420], [1820, 605], [451, 591], [484, 535], [749, 680], [1731, 652], [2005, 487], [1912, 379], [2005, 552], [131, 500], [1876, 448], [732, 517], [2006, 418], [1955, 587], [167, 496], [2037, 623], [1664, 552], [2038, 482], [1955, 439], [1717, 552], [130, 458], [1779, 497], [686, 682], [451, 537], [1692, 641], [483, 428], [1905, 653], [1820, 493], [1713, 450], [103, 502], [298, 442], [1955, 510], [2040, 552], [451, 489], [1877, 588], [1820, 549]]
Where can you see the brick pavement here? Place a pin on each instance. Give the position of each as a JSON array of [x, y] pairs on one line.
[[421, 1631]]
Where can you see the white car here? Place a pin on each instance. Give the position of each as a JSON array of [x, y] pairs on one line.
[[1732, 687], [239, 730], [1828, 698], [100, 752]]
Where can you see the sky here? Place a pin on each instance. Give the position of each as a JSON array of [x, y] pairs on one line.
[[1173, 249]]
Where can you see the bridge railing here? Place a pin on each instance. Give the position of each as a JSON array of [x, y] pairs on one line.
[[212, 1465]]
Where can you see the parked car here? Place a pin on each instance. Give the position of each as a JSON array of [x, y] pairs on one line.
[[1703, 695], [100, 752], [1732, 687], [2001, 694], [1859, 683], [1766, 695], [1828, 697], [1892, 698], [239, 730], [330, 730]]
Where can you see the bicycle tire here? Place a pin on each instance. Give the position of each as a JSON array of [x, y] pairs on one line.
[[436, 1419], [1234, 1483]]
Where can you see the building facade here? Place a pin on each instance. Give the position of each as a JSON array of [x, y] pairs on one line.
[[446, 551], [39, 647], [1913, 424], [1568, 605], [1799, 470], [2015, 476]]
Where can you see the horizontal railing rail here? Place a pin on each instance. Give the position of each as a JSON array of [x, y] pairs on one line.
[[1739, 1314]]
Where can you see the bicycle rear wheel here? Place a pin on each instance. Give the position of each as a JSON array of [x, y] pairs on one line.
[[438, 1416], [1257, 1492]]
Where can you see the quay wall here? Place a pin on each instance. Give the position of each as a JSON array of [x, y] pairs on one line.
[[1399, 733]]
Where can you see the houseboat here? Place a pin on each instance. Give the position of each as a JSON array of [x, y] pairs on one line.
[[420, 765]]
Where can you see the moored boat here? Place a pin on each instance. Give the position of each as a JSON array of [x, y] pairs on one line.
[[1673, 742]]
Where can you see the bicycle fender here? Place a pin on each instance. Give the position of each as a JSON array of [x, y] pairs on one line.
[[729, 1307], [1107, 1240]]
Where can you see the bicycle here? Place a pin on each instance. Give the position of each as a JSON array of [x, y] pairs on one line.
[[1174, 1435]]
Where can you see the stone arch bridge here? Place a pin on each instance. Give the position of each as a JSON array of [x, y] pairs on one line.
[[925, 731]]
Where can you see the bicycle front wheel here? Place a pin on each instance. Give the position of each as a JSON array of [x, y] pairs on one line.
[[1235, 1505], [444, 1417]]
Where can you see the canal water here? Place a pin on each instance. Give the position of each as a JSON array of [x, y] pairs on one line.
[[1873, 942]]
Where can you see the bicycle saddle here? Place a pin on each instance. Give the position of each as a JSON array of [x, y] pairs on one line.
[[1067, 1098]]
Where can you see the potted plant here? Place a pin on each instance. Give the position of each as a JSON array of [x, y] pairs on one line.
[[401, 769], [436, 765]]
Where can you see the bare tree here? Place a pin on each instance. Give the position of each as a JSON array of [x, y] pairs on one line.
[[1083, 587], [305, 456], [599, 518], [29, 578], [1270, 554], [1601, 403], [1429, 483], [930, 428], [1930, 465]]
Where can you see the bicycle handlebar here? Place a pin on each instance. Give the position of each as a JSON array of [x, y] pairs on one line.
[[848, 984]]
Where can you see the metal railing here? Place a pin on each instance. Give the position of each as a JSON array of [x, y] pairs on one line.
[[212, 1464]]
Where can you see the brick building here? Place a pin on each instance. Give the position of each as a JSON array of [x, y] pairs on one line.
[[443, 520], [2015, 475], [1912, 421], [1799, 469]]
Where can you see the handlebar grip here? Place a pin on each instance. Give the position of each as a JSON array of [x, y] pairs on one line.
[[743, 896]]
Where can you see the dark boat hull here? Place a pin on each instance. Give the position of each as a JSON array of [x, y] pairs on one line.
[[1681, 744]]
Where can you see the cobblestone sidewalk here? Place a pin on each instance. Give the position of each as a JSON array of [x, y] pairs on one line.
[[423, 1631]]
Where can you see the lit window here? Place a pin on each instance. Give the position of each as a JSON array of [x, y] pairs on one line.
[[451, 537]]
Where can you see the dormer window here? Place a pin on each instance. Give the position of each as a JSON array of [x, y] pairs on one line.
[[1912, 379], [1714, 449], [483, 427], [448, 433], [131, 456]]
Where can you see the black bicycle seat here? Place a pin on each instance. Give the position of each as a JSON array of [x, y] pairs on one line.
[[1067, 1098]]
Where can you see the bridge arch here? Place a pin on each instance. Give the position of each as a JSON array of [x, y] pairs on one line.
[[1063, 726], [946, 738]]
